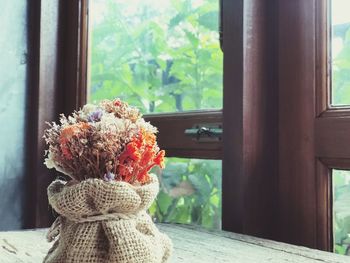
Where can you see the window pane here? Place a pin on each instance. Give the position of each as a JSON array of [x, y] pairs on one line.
[[190, 193], [162, 56], [341, 211], [340, 52]]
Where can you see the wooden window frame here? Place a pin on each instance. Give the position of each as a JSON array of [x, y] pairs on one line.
[[43, 36], [304, 182], [313, 136], [332, 125], [250, 110]]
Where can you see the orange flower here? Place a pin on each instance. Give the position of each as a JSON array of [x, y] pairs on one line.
[[159, 160], [139, 156], [132, 151], [149, 138]]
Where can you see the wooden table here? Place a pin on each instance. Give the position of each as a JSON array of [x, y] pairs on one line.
[[191, 245]]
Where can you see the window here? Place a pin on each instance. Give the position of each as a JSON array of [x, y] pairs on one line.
[[332, 124], [165, 58], [340, 52]]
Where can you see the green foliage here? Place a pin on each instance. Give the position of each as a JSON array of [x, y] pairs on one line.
[[190, 193], [160, 60], [341, 207], [341, 73]]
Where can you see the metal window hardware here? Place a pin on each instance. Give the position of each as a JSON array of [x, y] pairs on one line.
[[208, 132]]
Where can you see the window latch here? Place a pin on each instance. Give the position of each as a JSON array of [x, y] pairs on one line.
[[205, 132]]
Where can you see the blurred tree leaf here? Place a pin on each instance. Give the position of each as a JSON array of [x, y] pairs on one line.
[[210, 20]]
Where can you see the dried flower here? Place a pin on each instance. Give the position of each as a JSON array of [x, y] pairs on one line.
[[95, 115], [110, 141], [141, 154], [109, 177]]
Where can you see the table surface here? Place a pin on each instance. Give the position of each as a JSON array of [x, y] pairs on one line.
[[191, 245]]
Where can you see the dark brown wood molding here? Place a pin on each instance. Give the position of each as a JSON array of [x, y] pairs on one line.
[[232, 163], [73, 53], [336, 163], [324, 202], [322, 80], [297, 173], [306, 134], [335, 112], [42, 105], [332, 137], [250, 118]]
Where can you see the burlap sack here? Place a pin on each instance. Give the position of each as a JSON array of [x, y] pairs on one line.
[[106, 222]]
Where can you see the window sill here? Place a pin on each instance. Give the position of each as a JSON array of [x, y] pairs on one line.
[[190, 245]]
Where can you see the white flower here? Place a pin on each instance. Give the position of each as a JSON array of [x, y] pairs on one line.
[[50, 163], [141, 123], [88, 108], [109, 123]]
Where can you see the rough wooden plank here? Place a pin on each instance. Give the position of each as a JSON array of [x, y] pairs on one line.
[[23, 246], [191, 245]]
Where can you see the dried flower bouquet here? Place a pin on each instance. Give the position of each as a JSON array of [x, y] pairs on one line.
[[110, 141], [107, 150]]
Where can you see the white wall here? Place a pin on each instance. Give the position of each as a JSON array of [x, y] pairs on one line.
[[13, 48]]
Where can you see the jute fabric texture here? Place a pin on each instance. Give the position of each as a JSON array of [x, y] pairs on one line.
[[106, 222]]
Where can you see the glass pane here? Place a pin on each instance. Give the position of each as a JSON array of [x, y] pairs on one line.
[[190, 193], [161, 56], [13, 70], [341, 211], [340, 52]]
